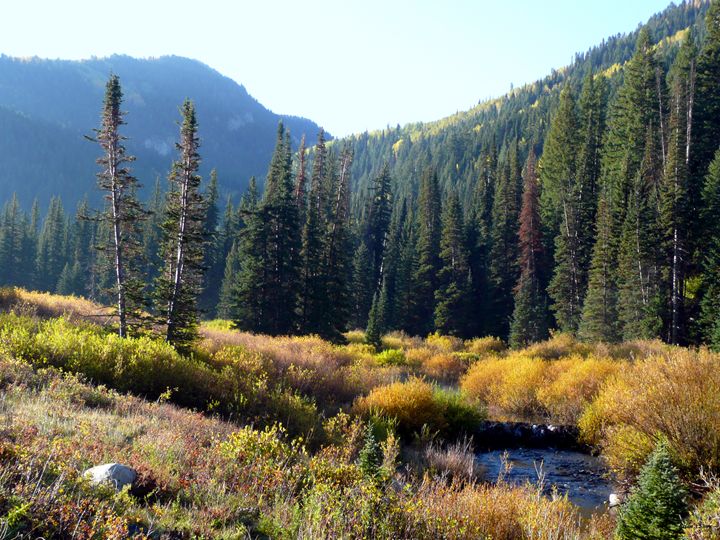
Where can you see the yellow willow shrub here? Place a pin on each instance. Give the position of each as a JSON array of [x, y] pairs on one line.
[[518, 392], [399, 340], [675, 396], [412, 403], [572, 384], [444, 343], [416, 357], [558, 346], [509, 383], [485, 345], [444, 367], [484, 378], [355, 336]]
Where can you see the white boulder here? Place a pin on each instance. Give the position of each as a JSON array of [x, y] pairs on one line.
[[113, 474]]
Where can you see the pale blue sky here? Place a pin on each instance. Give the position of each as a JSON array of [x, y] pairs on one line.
[[350, 65]]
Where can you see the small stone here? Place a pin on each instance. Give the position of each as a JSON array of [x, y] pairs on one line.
[[614, 500], [113, 474]]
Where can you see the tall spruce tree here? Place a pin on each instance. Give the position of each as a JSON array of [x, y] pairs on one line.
[[479, 227], [675, 195], [337, 258], [313, 300], [577, 201], [599, 317], [558, 166], [425, 279], [123, 213], [183, 248], [377, 219], [282, 243], [705, 127], [639, 301], [452, 296], [504, 251], [51, 253], [710, 306], [248, 289], [530, 316], [214, 257]]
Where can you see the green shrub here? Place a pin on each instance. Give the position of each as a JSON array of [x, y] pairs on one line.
[[390, 357]]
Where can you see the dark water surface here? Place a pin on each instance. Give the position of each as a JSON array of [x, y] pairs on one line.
[[581, 476]]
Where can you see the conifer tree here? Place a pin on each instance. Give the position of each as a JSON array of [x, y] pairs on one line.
[[658, 504], [639, 301], [530, 317], [504, 251], [452, 294], [710, 306], [12, 231], [363, 281], [675, 196], [337, 260], [51, 255], [123, 212], [577, 203], [248, 301], [312, 298], [428, 255], [599, 318], [704, 125], [378, 219], [392, 265], [558, 166], [282, 243], [375, 326], [226, 299], [183, 249], [214, 258], [479, 227], [635, 110]]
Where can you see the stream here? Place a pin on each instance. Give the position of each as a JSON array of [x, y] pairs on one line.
[[579, 475]]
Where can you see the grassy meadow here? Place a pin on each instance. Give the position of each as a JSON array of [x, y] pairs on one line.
[[294, 437]]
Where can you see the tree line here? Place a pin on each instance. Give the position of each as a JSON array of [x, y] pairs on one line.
[[603, 223]]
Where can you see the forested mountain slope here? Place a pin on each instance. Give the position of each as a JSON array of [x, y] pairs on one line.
[[455, 145], [47, 106]]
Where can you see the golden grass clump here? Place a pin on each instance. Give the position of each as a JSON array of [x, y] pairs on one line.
[[47, 305], [460, 510]]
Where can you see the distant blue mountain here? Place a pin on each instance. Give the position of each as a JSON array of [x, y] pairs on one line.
[[48, 106]]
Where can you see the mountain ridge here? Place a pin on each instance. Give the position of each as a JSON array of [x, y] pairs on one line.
[[50, 105]]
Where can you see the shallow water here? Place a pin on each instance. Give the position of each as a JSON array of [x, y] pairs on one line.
[[581, 476]]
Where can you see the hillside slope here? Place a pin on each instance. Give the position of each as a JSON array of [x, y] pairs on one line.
[[454, 145], [47, 106]]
